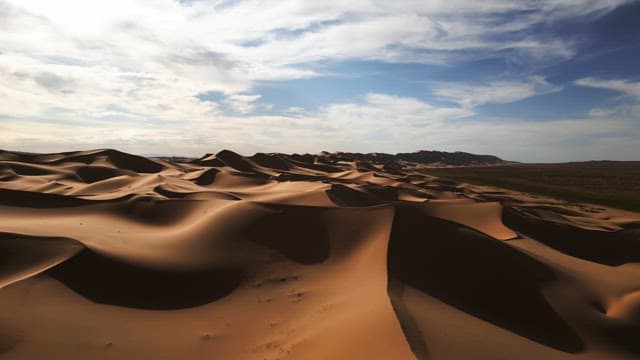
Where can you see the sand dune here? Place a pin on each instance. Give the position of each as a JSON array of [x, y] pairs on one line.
[[108, 255]]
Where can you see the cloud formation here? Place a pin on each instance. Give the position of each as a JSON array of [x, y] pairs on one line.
[[624, 86], [131, 74], [495, 92]]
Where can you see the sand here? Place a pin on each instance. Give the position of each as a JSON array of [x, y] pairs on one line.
[[108, 255]]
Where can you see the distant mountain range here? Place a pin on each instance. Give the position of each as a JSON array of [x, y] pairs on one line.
[[285, 161], [457, 158], [326, 161]]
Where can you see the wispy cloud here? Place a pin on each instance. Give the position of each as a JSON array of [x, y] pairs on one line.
[[496, 92], [624, 86], [242, 103], [628, 109]]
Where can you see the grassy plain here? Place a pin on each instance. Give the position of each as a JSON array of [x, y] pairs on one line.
[[610, 183]]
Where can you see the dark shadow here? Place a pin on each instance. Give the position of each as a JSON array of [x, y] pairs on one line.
[[91, 174], [207, 177], [235, 161], [409, 326], [24, 254], [624, 334], [345, 196], [107, 281], [9, 338], [164, 191], [38, 200], [297, 232], [308, 162], [155, 211], [210, 161], [286, 176], [272, 161], [631, 226], [478, 275], [26, 169], [382, 192], [604, 247]]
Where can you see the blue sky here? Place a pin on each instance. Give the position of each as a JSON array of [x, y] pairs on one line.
[[538, 81]]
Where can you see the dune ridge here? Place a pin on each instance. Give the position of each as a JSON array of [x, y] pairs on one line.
[[108, 255]]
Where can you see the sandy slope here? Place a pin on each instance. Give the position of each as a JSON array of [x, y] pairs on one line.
[[106, 255]]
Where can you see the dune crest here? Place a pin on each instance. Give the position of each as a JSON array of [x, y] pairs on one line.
[[334, 255]]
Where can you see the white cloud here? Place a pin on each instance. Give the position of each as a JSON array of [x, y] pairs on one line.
[[495, 92], [577, 8], [628, 87], [627, 110], [296, 110], [242, 103], [391, 111]]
